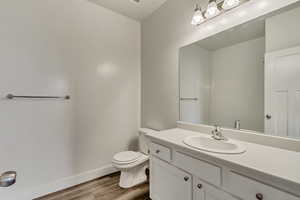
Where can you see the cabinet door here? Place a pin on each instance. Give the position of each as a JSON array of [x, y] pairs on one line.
[[204, 191], [168, 182]]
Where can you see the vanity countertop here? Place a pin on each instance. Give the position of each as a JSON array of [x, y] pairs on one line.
[[277, 163]]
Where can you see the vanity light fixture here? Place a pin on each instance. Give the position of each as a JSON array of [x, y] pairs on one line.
[[214, 8], [198, 17], [228, 4]]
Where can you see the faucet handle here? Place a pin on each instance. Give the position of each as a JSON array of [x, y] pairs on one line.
[[217, 128], [217, 134]]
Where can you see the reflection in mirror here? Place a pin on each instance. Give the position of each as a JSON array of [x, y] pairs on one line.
[[247, 77]]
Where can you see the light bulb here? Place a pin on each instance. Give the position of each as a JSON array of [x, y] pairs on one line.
[[197, 17], [212, 10], [228, 4]]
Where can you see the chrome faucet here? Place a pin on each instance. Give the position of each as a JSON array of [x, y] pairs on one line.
[[217, 134], [237, 124]]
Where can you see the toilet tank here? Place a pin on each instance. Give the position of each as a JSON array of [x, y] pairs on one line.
[[143, 140]]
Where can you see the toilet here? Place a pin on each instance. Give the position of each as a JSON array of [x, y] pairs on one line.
[[133, 164]]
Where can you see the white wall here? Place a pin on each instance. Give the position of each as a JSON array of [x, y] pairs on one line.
[[55, 47], [169, 29], [283, 30], [195, 82], [238, 85]]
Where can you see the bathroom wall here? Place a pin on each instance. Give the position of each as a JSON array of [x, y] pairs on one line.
[[55, 47], [283, 30], [163, 34], [195, 82], [234, 69]]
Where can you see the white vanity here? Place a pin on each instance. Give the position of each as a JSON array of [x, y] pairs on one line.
[[181, 172]]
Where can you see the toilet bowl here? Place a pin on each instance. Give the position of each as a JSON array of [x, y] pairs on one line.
[[133, 164]]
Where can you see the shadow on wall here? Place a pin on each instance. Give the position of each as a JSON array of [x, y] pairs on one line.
[[134, 144]]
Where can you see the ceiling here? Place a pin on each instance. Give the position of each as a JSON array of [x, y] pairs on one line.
[[131, 8]]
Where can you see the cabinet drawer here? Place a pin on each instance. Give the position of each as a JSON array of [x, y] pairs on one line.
[[204, 191], [160, 151], [249, 189], [206, 171]]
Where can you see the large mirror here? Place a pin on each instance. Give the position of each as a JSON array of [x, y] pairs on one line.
[[247, 77]]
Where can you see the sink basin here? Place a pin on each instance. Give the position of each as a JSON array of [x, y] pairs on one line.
[[215, 146]]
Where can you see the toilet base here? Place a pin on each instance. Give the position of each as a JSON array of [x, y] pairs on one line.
[[133, 176]]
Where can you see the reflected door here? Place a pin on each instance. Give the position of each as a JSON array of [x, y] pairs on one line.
[[283, 93]]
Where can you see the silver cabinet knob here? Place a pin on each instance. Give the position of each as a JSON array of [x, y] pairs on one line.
[[199, 186], [8, 178], [186, 178], [268, 116]]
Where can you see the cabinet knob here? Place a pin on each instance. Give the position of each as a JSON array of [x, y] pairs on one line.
[[259, 196], [186, 178], [157, 151], [268, 116], [8, 178], [199, 186]]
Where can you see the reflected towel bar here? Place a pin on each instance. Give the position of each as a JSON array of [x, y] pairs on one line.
[[188, 99], [11, 96]]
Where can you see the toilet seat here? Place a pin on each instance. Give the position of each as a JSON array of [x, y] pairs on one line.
[[129, 159], [126, 157]]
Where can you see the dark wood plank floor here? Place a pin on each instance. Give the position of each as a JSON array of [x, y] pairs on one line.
[[105, 188]]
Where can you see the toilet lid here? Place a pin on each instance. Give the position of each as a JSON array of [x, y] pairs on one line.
[[127, 157]]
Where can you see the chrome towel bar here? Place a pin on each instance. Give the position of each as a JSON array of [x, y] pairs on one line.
[[188, 99], [11, 96]]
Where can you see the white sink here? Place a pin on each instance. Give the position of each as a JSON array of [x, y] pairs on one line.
[[216, 146]]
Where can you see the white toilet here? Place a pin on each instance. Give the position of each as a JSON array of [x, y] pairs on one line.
[[133, 164]]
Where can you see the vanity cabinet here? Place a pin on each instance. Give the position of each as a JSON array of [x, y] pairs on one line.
[[178, 176], [168, 182]]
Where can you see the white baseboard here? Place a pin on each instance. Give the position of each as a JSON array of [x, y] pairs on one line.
[[69, 182]]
